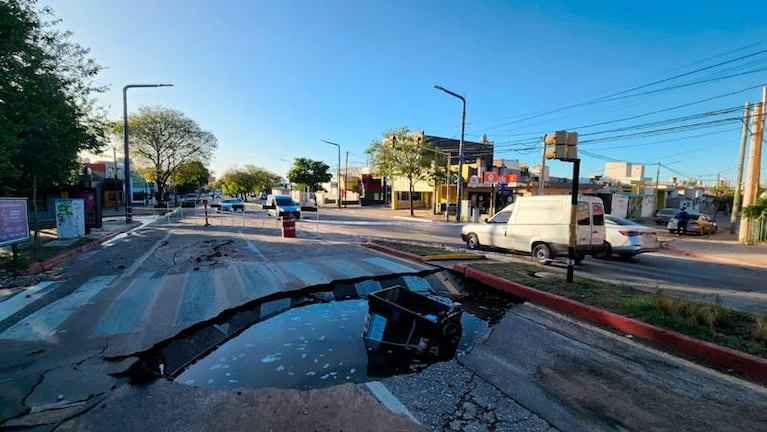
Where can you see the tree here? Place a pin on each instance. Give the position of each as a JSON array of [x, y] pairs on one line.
[[47, 89], [309, 174], [240, 182], [190, 175], [757, 210], [163, 139], [47, 114], [403, 154]]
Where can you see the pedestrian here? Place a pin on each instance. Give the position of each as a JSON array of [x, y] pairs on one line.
[[682, 218]]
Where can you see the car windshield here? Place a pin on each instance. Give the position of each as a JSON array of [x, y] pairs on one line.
[[618, 220], [230, 201], [283, 201]]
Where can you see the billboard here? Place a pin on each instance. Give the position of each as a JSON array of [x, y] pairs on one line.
[[14, 225]]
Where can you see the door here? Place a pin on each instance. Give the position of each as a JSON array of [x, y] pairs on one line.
[[590, 223]]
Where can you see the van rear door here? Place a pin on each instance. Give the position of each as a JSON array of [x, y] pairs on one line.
[[590, 217]]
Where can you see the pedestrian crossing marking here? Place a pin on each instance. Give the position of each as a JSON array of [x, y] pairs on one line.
[[124, 315], [24, 298], [43, 323]]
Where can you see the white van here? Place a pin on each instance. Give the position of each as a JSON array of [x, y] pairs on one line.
[[282, 205], [540, 225]]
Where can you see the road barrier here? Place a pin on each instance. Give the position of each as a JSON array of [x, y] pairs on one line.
[[288, 226]]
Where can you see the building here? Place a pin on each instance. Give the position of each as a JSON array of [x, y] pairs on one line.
[[624, 172], [477, 166]]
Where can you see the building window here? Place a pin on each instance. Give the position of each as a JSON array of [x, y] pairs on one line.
[[404, 196]]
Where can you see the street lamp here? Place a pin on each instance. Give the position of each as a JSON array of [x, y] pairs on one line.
[[460, 150], [338, 171], [128, 192]]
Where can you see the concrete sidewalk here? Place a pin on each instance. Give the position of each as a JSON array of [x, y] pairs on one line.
[[721, 247]]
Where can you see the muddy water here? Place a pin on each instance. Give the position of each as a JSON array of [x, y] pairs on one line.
[[308, 347]]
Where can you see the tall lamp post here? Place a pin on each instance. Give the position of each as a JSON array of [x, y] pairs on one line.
[[338, 171], [128, 192], [460, 150]]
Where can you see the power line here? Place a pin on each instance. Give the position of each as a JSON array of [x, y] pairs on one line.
[[623, 94]]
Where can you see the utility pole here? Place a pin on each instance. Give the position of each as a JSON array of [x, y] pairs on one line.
[[739, 180], [346, 177], [751, 191], [543, 166], [657, 180]]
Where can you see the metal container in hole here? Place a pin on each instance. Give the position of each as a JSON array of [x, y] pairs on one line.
[[402, 320]]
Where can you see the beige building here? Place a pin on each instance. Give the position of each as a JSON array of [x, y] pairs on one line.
[[624, 172]]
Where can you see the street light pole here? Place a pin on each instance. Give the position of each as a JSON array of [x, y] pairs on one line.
[[460, 150], [128, 192], [338, 171]]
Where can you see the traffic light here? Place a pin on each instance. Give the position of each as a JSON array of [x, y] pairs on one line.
[[561, 145], [571, 152]]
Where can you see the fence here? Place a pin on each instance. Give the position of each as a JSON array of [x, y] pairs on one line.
[[758, 232]]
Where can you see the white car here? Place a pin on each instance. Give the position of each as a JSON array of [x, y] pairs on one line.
[[627, 238], [232, 205]]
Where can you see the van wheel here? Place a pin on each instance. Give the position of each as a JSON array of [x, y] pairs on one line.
[[607, 252], [579, 257], [542, 253], [472, 242]]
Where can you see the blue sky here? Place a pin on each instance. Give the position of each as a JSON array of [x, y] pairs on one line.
[[272, 78]]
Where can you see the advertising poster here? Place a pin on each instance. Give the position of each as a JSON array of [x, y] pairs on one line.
[[14, 225]]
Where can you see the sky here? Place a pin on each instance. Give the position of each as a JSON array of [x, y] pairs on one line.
[[271, 79]]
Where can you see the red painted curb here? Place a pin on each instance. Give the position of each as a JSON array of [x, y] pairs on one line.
[[395, 252], [750, 365], [58, 259]]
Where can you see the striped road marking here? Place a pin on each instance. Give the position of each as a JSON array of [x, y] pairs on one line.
[[43, 323], [25, 298]]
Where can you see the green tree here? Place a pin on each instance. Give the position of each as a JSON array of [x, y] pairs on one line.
[[240, 182], [190, 176], [47, 92], [757, 210], [404, 154], [163, 139], [309, 174]]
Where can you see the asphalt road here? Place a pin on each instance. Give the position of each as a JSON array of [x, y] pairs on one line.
[[536, 371], [737, 287]]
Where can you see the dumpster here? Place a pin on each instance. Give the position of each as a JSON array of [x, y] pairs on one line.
[[288, 226], [423, 325]]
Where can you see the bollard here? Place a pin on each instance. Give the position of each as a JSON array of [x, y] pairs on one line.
[[288, 226]]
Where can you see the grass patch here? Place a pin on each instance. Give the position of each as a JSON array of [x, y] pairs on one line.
[[29, 255], [413, 248], [710, 322]]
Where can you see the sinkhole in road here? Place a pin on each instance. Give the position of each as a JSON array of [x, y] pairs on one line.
[[315, 340]]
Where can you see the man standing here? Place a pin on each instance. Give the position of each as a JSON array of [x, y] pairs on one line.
[[682, 218]]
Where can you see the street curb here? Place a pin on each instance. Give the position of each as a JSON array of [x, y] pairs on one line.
[[395, 252], [747, 364], [713, 258], [58, 259], [424, 258]]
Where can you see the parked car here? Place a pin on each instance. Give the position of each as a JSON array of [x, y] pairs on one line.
[[231, 205], [664, 215], [282, 205], [627, 238], [698, 224], [540, 225], [190, 200]]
